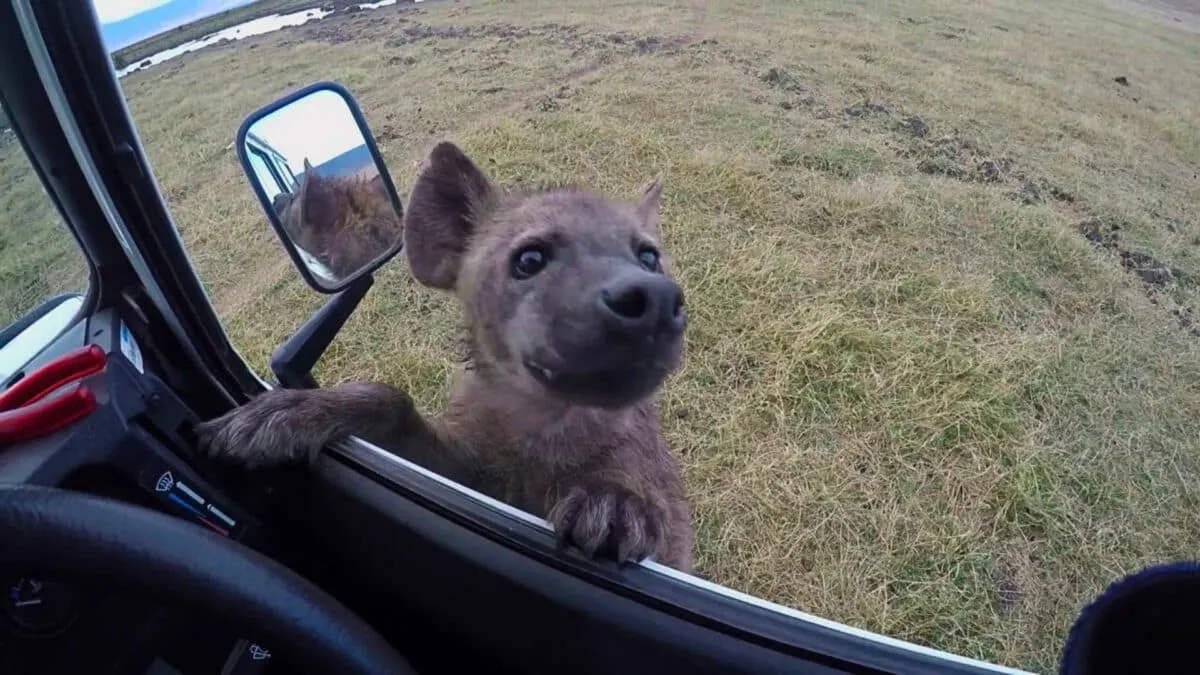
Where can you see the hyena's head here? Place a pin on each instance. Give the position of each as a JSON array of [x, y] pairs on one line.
[[566, 292], [343, 221]]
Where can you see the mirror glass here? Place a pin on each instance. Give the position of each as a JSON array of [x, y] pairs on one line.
[[333, 206], [23, 340]]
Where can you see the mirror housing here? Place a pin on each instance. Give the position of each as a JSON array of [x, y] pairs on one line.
[[339, 221], [318, 175]]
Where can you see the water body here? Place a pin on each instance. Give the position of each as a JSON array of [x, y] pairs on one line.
[[260, 26]]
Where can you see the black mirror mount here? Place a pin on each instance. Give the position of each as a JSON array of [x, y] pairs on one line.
[[293, 360]]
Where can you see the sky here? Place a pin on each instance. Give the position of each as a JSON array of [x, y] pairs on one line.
[[290, 129], [123, 22]]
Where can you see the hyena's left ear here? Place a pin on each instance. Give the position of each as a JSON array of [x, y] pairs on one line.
[[648, 207]]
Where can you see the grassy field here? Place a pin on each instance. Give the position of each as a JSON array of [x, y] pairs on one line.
[[942, 379], [38, 258]]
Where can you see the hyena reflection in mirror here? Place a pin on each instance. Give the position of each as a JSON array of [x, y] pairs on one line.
[[345, 222], [574, 325]]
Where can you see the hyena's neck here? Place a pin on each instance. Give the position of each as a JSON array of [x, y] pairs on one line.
[[528, 418]]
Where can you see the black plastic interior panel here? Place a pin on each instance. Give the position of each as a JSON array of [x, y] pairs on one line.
[[132, 447], [428, 583], [53, 627]]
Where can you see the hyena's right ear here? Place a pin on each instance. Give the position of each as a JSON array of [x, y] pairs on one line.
[[450, 196]]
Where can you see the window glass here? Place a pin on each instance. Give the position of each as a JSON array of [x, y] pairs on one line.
[[39, 259], [941, 262]]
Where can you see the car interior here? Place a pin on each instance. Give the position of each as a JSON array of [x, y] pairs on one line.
[[125, 550]]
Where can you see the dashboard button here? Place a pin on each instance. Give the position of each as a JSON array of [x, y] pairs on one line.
[[247, 658], [37, 606]]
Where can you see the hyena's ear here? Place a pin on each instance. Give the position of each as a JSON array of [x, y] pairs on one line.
[[318, 208], [445, 206], [648, 207]]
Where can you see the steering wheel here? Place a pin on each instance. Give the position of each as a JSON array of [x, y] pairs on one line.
[[80, 537]]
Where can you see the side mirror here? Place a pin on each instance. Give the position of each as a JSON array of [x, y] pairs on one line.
[[318, 175], [29, 335]]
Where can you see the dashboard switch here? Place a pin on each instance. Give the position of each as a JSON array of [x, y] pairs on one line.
[[37, 606], [247, 658]]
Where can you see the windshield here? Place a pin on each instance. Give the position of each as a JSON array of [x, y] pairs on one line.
[[39, 260], [940, 259]]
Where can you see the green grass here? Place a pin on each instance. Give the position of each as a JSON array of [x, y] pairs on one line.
[[38, 258], [915, 400]]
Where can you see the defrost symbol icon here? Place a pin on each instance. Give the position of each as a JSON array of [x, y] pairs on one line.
[[165, 482], [258, 653]]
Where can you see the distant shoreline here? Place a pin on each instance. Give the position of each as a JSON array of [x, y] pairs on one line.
[[138, 51]]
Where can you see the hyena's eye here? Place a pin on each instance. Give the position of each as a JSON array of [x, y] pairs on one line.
[[530, 260], [649, 258]]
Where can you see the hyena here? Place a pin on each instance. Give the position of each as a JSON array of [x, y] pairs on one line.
[[345, 222], [574, 324]]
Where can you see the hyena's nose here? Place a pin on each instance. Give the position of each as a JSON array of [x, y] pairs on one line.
[[646, 304]]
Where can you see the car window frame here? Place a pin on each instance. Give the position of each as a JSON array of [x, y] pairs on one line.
[[123, 219], [274, 162]]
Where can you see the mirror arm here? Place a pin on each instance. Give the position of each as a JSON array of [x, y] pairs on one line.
[[293, 360]]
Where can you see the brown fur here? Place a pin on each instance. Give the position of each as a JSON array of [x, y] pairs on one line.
[[558, 414], [345, 222]]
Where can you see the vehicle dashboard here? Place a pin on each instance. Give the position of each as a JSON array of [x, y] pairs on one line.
[[135, 446]]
